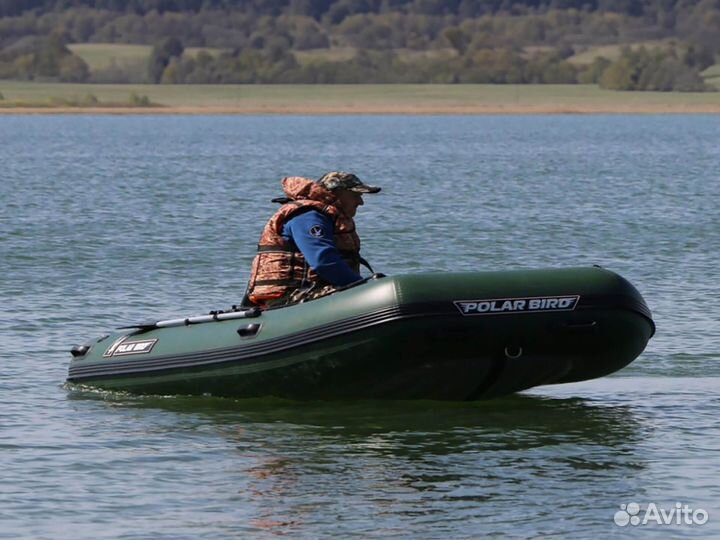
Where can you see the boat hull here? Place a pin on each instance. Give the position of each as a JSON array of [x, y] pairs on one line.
[[426, 336]]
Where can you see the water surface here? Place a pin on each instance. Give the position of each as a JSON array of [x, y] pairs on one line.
[[108, 220]]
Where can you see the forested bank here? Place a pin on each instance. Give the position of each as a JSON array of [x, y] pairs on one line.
[[667, 45]]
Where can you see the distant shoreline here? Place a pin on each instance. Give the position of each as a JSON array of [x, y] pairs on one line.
[[370, 110], [371, 99]]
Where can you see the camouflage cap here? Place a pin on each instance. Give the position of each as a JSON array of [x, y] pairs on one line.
[[344, 180]]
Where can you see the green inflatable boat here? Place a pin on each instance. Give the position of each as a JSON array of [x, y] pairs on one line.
[[449, 336]]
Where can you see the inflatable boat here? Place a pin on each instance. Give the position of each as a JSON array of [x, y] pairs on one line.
[[446, 336]]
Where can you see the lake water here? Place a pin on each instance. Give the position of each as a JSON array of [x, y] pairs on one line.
[[107, 220]]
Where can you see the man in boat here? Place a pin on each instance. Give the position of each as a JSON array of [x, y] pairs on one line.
[[309, 247]]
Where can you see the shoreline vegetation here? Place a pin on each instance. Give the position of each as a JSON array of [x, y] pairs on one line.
[[359, 57], [409, 99], [79, 104], [620, 45]]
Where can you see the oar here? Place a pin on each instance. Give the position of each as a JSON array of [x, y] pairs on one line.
[[199, 319]]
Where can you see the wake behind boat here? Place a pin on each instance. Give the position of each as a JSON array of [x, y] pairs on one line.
[[448, 336]]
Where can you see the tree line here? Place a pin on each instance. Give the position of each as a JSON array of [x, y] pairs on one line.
[[658, 69], [336, 10], [403, 41], [696, 21]]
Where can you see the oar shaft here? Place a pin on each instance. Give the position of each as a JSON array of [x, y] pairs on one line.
[[253, 312]]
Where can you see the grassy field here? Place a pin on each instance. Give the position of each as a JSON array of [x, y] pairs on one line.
[[410, 99], [712, 75], [101, 55]]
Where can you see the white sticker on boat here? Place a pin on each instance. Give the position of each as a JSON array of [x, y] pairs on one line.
[[535, 304], [121, 347]]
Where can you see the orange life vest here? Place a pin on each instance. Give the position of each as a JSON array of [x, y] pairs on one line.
[[279, 267]]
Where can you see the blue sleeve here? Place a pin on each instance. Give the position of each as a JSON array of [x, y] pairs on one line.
[[312, 233]]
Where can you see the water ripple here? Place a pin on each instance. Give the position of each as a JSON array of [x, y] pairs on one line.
[[106, 220]]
